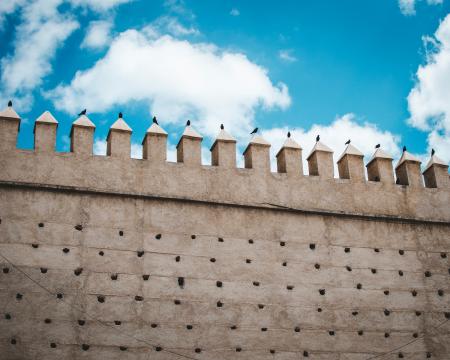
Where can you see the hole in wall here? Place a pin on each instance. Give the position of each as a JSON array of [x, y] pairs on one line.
[[48, 321], [359, 286], [34, 246], [43, 270], [400, 273], [312, 246], [123, 348], [386, 335], [101, 299], [219, 304], [198, 350], [101, 253], [8, 316], [284, 263], [263, 329], [401, 252], [158, 236], [65, 250], [220, 240], [400, 355], [19, 296], [261, 306], [154, 326], [255, 283], [181, 282], [297, 329], [440, 292], [145, 277], [177, 302], [53, 345], [272, 351], [331, 333], [282, 243], [219, 283], [233, 327], [120, 233], [250, 241], [348, 268], [418, 313], [85, 347], [427, 273], [360, 332], [447, 315], [322, 291], [138, 298], [290, 287], [117, 322], [193, 237], [81, 322], [415, 335], [13, 341], [248, 261], [386, 292], [158, 348], [189, 327], [177, 258], [414, 293], [79, 227], [238, 349], [374, 271], [305, 354], [319, 309], [428, 355], [41, 225], [354, 313], [114, 276], [140, 253], [376, 250], [386, 312], [317, 266], [5, 270], [78, 271], [213, 260], [347, 249]]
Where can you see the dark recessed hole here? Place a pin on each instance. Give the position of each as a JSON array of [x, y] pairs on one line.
[[123, 348], [272, 351], [374, 271], [219, 304], [427, 274], [8, 316], [154, 325], [120, 233], [443, 255], [401, 252], [44, 270], [193, 237], [48, 321], [284, 263], [312, 246], [212, 260], [414, 293], [347, 249], [181, 282], [101, 253], [158, 348], [305, 354], [114, 276], [447, 315], [418, 313], [65, 250], [400, 273], [354, 313], [101, 299], [78, 271], [387, 312], [261, 306], [219, 283], [177, 258], [319, 309], [41, 224], [348, 268], [34, 246], [189, 327], [138, 298], [415, 335], [85, 347], [331, 332], [53, 345], [177, 302], [264, 329], [81, 322], [140, 253], [117, 322], [256, 283], [145, 277], [297, 329], [376, 250], [359, 286], [282, 243], [428, 355], [220, 239], [290, 287], [386, 335], [79, 227], [322, 291], [158, 236], [5, 270], [13, 341], [400, 355], [238, 349], [386, 292], [198, 350], [248, 261], [19, 296], [317, 266], [233, 327], [360, 332], [250, 241], [440, 292]]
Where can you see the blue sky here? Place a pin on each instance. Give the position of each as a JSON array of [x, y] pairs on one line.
[[374, 71]]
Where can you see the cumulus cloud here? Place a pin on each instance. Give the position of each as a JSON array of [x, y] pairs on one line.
[[98, 35], [428, 101], [234, 12], [169, 25], [99, 5], [363, 135], [287, 55], [8, 7], [408, 7], [178, 79]]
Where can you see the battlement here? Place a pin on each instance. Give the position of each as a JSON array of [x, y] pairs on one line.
[[410, 195]]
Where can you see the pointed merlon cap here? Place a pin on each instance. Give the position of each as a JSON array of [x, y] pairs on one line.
[[319, 146], [380, 154], [83, 121], [46, 118], [120, 125], [258, 141], [155, 129], [290, 144], [406, 156], [190, 133], [434, 160], [9, 113], [351, 150], [223, 136]]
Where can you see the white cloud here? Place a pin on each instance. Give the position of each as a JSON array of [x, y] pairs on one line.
[[179, 80], [364, 136], [235, 12], [98, 35], [169, 25], [287, 55], [428, 101], [100, 147], [9, 7], [408, 7], [99, 5]]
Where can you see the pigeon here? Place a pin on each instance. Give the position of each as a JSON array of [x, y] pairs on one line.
[[9, 103], [432, 152], [222, 127], [255, 130], [120, 115], [82, 113], [377, 146], [188, 123], [289, 134], [404, 148], [155, 121], [317, 138], [347, 142]]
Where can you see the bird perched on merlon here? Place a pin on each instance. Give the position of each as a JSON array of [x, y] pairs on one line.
[[289, 134], [10, 103], [155, 121], [222, 127], [82, 113], [377, 146], [255, 130], [404, 148], [317, 138], [188, 123], [347, 142], [120, 115], [433, 152]]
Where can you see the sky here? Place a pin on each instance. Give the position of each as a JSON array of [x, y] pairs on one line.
[[370, 71]]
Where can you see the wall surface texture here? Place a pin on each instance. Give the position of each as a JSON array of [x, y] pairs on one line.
[[108, 257]]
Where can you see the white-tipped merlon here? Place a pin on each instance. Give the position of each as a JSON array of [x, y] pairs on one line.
[[319, 146], [83, 121], [46, 118], [157, 130], [9, 113], [407, 156], [434, 160], [223, 136], [257, 140], [289, 144], [380, 154], [351, 150], [189, 132], [120, 125]]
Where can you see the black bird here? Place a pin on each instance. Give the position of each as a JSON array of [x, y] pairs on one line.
[[82, 113], [289, 134], [155, 121], [120, 115], [317, 138], [188, 123], [255, 130], [377, 146], [432, 152], [347, 142], [222, 127], [404, 148], [9, 103]]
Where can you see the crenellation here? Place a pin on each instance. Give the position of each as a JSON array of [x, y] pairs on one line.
[[223, 150], [9, 128], [189, 151], [45, 133], [408, 170], [436, 173], [154, 145], [118, 141], [351, 165], [257, 155], [289, 158], [379, 168], [82, 136], [320, 161]]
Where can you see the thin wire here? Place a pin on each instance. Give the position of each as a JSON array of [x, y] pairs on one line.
[[93, 318]]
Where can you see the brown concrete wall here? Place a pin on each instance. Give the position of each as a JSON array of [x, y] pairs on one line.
[[297, 257]]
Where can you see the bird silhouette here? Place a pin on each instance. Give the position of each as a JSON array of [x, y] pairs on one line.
[[377, 146], [9, 103], [222, 127], [432, 152], [155, 121], [404, 148], [347, 142], [289, 134], [317, 138], [120, 115], [255, 130], [188, 123], [82, 113]]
